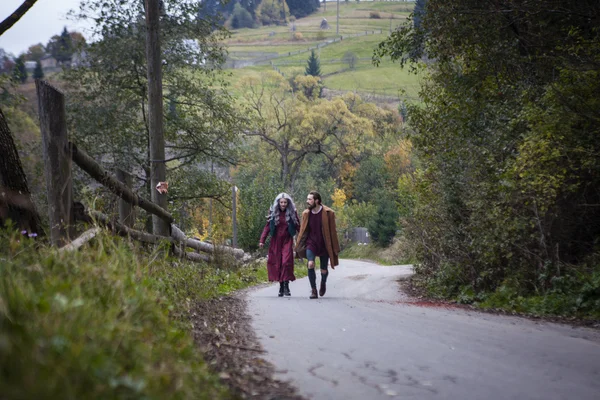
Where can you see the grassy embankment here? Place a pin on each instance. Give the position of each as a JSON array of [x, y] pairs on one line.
[[108, 321]]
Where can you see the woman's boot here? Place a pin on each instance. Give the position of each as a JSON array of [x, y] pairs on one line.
[[286, 288], [280, 289]]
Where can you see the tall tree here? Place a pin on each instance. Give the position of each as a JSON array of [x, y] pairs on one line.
[[35, 52], [302, 8], [109, 98], [19, 71], [314, 65], [294, 126], [15, 199], [508, 194], [38, 72], [61, 46]]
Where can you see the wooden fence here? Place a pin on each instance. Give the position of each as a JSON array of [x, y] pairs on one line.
[[59, 154]]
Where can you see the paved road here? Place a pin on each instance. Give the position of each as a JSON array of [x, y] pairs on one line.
[[363, 341]]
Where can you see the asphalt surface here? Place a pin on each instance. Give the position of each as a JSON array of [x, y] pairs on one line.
[[366, 340]]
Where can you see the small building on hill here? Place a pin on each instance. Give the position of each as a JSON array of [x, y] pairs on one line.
[[48, 62]]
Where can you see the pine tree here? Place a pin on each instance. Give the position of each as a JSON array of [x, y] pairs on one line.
[[314, 66], [38, 72], [419, 13], [383, 226], [20, 72]]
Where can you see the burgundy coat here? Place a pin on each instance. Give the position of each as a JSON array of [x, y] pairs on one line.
[[280, 261]]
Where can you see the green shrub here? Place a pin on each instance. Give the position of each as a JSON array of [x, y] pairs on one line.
[[383, 227]]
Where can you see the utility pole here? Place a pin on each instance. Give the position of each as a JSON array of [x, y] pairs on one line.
[[156, 138], [337, 26], [234, 215]]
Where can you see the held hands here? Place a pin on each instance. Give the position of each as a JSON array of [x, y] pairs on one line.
[[261, 245]]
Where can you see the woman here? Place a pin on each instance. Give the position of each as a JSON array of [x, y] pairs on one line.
[[282, 225]]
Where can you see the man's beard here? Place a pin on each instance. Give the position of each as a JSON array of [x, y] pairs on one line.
[[314, 205]]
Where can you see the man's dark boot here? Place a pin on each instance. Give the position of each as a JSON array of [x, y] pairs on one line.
[[313, 294], [280, 289], [286, 288], [322, 289]]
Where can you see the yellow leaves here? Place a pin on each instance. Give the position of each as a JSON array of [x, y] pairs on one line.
[[308, 86], [338, 198], [398, 158]]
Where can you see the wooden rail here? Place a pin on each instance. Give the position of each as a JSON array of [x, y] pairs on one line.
[[58, 155]]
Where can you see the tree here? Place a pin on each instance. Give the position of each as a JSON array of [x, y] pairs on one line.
[[19, 71], [272, 12], [294, 126], [15, 201], [35, 52], [302, 8], [6, 62], [38, 72], [370, 178], [241, 18], [62, 46], [383, 227], [108, 97], [504, 198], [314, 66], [351, 59], [419, 13]]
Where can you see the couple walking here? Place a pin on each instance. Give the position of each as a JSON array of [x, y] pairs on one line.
[[317, 237]]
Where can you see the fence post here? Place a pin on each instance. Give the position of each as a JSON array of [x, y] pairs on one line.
[[126, 210], [57, 160]]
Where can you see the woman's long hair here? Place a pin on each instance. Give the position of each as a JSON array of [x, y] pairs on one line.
[[290, 212]]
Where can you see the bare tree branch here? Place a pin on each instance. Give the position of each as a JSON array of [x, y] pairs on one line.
[[15, 16]]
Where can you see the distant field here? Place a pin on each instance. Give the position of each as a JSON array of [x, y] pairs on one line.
[[388, 80], [355, 18]]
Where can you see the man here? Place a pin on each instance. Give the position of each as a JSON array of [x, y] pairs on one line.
[[318, 238]]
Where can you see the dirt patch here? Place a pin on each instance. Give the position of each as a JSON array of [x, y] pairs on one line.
[[357, 277], [223, 331]]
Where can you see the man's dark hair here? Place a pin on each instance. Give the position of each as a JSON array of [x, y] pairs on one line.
[[317, 196]]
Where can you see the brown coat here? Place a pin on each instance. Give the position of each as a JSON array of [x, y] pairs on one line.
[[329, 234]]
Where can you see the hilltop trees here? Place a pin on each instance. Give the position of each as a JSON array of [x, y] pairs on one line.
[[272, 12], [61, 46], [302, 8]]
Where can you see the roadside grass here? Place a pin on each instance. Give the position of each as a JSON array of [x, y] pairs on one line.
[[392, 255], [108, 321], [573, 295]]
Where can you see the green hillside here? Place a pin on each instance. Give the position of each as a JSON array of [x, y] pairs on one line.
[[362, 26]]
